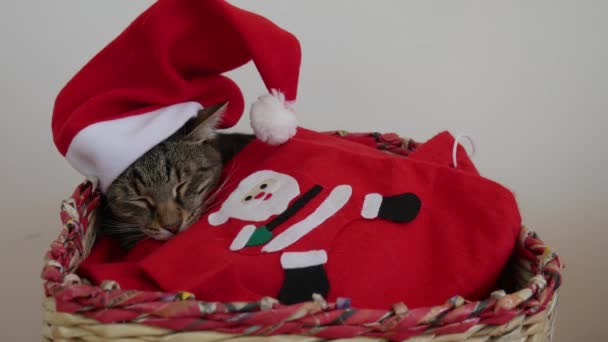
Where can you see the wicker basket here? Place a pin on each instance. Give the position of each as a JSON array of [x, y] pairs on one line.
[[77, 311]]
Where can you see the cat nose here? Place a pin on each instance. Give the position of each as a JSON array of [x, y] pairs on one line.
[[173, 228]]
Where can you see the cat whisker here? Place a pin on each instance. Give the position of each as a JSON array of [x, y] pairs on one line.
[[135, 235], [221, 187], [133, 238], [117, 220], [230, 174], [119, 228], [108, 219], [111, 223]]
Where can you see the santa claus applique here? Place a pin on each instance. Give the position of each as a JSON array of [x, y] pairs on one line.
[[265, 194]]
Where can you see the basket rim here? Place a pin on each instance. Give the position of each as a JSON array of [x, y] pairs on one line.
[[107, 303]]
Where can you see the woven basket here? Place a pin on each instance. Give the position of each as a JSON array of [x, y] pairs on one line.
[[77, 311]]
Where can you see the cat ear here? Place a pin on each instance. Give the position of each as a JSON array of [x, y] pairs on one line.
[[203, 127]]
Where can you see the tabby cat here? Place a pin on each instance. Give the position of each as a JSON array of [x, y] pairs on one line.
[[168, 188]]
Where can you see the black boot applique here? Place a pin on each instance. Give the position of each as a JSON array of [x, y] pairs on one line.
[[304, 276]]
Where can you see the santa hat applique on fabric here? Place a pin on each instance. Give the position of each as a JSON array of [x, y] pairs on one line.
[[161, 71]]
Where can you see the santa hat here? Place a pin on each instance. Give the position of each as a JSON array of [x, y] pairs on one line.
[[161, 71]]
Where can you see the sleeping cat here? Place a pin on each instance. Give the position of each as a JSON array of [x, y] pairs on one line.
[[167, 189]]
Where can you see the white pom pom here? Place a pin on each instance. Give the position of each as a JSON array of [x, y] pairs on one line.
[[273, 119]]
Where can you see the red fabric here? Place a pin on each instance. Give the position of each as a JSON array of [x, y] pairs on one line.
[[108, 261], [457, 245], [440, 153], [175, 52]]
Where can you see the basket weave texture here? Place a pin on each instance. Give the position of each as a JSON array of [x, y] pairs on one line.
[[74, 310]]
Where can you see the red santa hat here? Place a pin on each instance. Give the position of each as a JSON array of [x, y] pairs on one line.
[[164, 68]]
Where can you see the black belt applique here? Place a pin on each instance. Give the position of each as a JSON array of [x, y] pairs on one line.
[[264, 234]]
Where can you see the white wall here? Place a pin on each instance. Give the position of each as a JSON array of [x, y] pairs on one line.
[[527, 79]]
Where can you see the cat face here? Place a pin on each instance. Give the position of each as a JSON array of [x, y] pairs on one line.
[[164, 191]]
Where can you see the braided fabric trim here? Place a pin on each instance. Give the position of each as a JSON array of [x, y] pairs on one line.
[[72, 327]]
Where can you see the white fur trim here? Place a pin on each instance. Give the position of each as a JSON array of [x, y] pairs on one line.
[[273, 119], [303, 259], [338, 197], [240, 241], [105, 149], [371, 206]]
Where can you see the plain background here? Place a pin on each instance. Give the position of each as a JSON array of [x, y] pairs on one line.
[[526, 79]]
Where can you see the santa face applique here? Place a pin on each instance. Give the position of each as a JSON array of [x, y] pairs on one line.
[[258, 197], [267, 194]]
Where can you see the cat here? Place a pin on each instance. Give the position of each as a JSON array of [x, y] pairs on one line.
[[168, 188]]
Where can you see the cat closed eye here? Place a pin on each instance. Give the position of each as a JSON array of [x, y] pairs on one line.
[[143, 202], [179, 189]]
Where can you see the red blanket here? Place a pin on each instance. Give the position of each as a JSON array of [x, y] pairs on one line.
[[321, 214]]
